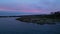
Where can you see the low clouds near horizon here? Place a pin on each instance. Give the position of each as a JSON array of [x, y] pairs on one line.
[[30, 6]]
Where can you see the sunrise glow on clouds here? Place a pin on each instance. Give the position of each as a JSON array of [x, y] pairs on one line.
[[21, 9], [29, 6]]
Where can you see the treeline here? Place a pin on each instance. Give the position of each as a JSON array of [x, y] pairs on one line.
[[55, 15]]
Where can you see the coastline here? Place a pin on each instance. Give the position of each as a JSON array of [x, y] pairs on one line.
[[38, 20], [52, 18]]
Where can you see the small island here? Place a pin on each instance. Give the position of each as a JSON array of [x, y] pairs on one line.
[[52, 18]]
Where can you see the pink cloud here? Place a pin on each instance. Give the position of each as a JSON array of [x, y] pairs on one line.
[[21, 8]]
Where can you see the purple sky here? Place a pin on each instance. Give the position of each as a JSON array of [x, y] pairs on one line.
[[29, 6]]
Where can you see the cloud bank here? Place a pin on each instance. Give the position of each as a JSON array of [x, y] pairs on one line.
[[30, 6]]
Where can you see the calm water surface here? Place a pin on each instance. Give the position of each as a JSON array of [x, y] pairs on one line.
[[12, 26]]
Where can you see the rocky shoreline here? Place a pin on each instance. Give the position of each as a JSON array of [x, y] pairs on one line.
[[52, 18], [38, 20]]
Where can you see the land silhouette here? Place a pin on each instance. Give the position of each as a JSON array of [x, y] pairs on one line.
[[41, 19]]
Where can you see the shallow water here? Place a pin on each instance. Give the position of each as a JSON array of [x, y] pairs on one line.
[[13, 26]]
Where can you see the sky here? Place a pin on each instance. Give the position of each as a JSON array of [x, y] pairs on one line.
[[17, 7]]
